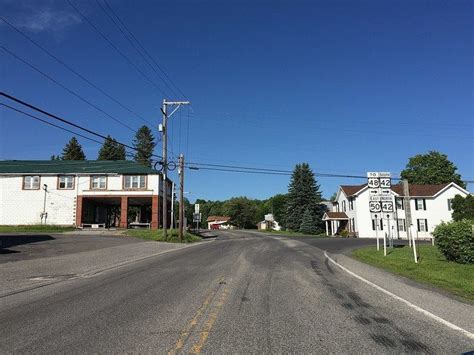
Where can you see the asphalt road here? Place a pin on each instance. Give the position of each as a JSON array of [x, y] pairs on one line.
[[243, 293]]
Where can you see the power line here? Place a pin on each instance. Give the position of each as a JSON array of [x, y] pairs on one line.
[[127, 37], [66, 88], [74, 71], [21, 102], [145, 51], [84, 17]]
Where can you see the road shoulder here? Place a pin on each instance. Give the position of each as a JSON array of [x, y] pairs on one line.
[[446, 307]]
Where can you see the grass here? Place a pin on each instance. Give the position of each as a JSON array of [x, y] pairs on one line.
[[292, 234], [157, 235], [432, 268], [35, 228]]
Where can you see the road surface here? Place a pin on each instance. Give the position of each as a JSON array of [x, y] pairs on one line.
[[242, 293]]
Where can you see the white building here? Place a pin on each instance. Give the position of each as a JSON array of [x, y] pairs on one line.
[[269, 223], [79, 193], [430, 205]]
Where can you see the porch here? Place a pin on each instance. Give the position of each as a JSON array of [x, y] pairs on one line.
[[335, 222]]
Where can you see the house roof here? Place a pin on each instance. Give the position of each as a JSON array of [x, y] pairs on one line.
[[335, 215], [218, 218], [415, 190], [350, 190], [73, 167]]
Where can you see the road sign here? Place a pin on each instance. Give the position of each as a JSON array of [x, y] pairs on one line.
[[385, 182], [375, 207], [373, 174], [373, 183], [196, 208], [196, 217], [380, 198], [385, 192], [387, 206]]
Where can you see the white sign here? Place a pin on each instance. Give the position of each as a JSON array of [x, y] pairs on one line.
[[385, 182], [196, 217], [196, 208], [373, 175], [375, 207], [380, 198], [385, 192], [387, 206], [373, 183]]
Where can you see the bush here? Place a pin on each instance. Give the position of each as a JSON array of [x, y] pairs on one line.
[[344, 233], [455, 240]]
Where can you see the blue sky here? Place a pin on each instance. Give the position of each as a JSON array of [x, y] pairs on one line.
[[347, 86]]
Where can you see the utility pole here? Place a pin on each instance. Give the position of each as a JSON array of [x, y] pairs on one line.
[[164, 133], [172, 204], [181, 196], [409, 228]]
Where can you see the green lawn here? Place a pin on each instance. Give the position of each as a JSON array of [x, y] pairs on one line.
[[35, 228], [292, 234], [157, 235], [432, 268]]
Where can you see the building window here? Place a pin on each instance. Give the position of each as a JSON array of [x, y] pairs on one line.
[[400, 203], [420, 204], [344, 206], [401, 225], [65, 182], [380, 224], [450, 204], [134, 181], [422, 225], [351, 203], [98, 182], [31, 182]]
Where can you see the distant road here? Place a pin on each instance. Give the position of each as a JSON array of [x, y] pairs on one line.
[[245, 292]]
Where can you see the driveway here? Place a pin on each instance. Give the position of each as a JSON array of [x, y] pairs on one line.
[[33, 246]]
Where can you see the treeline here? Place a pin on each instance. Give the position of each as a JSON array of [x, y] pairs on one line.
[[298, 210], [143, 142]]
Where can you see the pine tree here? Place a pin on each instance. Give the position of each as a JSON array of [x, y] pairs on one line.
[[144, 142], [307, 223], [303, 194], [111, 150], [73, 151]]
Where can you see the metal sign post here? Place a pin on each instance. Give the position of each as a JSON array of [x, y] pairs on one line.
[[381, 202]]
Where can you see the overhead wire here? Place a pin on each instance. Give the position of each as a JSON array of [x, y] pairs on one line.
[[63, 120], [122, 54], [75, 72], [72, 92]]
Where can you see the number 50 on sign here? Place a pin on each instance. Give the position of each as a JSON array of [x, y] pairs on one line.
[[375, 207]]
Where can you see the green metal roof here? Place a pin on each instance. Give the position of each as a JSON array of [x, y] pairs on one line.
[[73, 167]]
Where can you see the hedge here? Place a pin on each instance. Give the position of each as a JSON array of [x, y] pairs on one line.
[[455, 240]]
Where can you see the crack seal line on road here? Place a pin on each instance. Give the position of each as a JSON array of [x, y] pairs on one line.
[[408, 303], [214, 310]]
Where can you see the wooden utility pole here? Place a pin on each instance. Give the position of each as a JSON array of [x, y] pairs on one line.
[[164, 128], [181, 196]]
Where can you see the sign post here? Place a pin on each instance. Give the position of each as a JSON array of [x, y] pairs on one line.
[[381, 202]]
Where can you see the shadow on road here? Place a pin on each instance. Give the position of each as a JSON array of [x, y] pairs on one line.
[[7, 241]]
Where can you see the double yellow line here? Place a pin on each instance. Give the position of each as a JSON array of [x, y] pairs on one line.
[[210, 309]]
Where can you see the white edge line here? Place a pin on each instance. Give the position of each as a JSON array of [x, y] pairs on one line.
[[419, 309]]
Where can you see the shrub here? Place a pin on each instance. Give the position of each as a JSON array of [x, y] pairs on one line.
[[344, 233], [455, 240]]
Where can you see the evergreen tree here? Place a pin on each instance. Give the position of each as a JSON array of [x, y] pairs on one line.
[[307, 223], [111, 150], [72, 151], [144, 142], [55, 157], [303, 194]]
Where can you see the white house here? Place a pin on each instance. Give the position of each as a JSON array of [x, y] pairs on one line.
[[218, 222], [269, 223], [79, 193], [430, 205]]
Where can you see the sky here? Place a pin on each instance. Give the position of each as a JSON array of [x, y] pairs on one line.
[[347, 86]]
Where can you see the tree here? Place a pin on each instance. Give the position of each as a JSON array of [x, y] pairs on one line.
[[463, 207], [333, 197], [307, 223], [242, 211], [55, 157], [431, 168], [303, 194], [144, 142], [277, 206], [111, 150], [72, 151]]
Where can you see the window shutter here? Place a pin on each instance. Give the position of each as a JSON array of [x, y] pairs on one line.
[[373, 224], [418, 224], [426, 225], [416, 204], [424, 204], [449, 204], [381, 224]]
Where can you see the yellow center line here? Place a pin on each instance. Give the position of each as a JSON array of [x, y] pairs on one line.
[[187, 329], [196, 348]]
